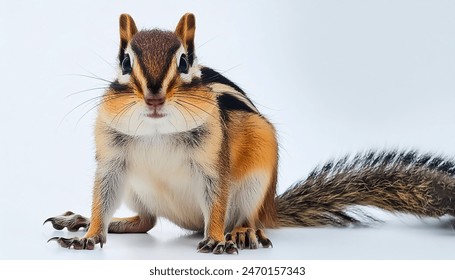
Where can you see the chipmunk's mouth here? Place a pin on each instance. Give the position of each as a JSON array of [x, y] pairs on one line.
[[155, 115], [155, 111]]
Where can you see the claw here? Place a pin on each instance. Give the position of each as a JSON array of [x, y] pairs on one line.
[[231, 248], [54, 224], [202, 244], [205, 249], [48, 220], [64, 242], [219, 249], [211, 246], [52, 239], [265, 242]]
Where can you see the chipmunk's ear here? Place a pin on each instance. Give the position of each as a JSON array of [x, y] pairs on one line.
[[127, 29], [185, 31]]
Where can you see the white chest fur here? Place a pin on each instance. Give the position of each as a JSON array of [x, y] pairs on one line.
[[161, 178]]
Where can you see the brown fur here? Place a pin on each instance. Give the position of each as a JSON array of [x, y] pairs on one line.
[[136, 224], [155, 49]]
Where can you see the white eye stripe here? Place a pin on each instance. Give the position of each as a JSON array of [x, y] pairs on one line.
[[178, 54], [130, 52], [125, 79]]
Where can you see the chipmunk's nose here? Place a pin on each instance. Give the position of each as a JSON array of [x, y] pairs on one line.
[[154, 101]]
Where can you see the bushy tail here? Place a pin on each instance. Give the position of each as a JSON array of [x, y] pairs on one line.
[[408, 182]]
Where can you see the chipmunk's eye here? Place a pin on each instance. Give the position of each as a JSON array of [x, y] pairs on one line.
[[126, 64], [183, 64]]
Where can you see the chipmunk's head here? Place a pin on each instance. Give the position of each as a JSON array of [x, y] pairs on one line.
[[157, 90]]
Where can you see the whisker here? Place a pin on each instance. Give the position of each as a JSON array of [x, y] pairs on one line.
[[183, 89], [78, 106], [169, 121], [137, 128], [135, 102], [100, 103], [123, 111], [114, 66], [86, 90], [94, 75], [208, 101], [183, 116], [188, 110], [209, 91], [196, 94], [212, 102], [199, 46], [189, 103], [90, 77], [129, 121]]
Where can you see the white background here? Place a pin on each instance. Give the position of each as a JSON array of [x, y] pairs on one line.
[[335, 77]]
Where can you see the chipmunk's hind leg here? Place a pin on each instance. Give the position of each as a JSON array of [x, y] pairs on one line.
[[73, 222], [136, 224]]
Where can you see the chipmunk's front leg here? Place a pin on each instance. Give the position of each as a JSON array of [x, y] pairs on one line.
[[106, 198], [214, 240]]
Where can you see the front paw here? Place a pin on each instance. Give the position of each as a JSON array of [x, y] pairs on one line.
[[85, 243], [210, 245], [69, 220]]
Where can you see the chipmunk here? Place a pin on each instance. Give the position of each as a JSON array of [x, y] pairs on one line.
[[178, 140]]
